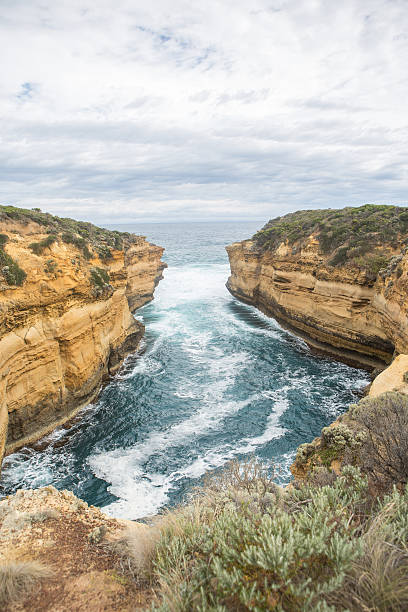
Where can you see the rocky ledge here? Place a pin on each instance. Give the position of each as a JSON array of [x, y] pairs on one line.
[[67, 293], [58, 553]]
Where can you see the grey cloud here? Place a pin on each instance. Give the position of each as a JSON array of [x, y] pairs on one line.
[[190, 111]]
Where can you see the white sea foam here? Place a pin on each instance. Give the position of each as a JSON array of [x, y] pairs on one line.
[[148, 366], [142, 494], [216, 458], [191, 284]]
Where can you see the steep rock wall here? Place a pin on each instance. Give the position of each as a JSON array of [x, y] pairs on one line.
[[337, 309], [61, 333]]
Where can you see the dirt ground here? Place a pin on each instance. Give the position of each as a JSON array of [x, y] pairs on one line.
[[53, 527]]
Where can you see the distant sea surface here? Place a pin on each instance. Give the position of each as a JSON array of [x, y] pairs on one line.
[[213, 380]]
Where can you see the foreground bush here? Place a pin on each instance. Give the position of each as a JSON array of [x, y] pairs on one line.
[[384, 456], [242, 543]]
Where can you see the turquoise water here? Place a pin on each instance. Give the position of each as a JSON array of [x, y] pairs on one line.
[[214, 379]]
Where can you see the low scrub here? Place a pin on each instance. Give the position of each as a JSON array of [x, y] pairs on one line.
[[15, 521], [104, 252], [243, 543], [9, 268], [39, 247], [85, 236], [99, 277], [360, 237], [78, 241], [384, 421]]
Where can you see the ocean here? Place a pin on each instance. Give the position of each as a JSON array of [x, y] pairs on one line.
[[213, 380]]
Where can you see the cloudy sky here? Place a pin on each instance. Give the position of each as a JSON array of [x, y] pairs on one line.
[[120, 110]]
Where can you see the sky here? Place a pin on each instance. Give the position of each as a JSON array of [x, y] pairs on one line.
[[169, 110]]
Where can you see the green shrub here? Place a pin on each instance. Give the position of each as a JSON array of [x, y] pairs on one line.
[[87, 253], [340, 256], [99, 277], [339, 436], [243, 544], [104, 252], [118, 243], [405, 377], [50, 266], [220, 553], [12, 273], [304, 452], [39, 247], [3, 239], [78, 241]]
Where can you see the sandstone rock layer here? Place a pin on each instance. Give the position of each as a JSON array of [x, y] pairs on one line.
[[336, 309]]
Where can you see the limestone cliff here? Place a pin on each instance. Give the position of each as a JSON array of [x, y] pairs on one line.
[[335, 296], [67, 293]]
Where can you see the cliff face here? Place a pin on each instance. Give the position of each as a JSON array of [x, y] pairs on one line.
[[339, 309], [68, 326]]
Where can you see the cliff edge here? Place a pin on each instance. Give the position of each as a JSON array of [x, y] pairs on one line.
[[67, 293], [339, 278]]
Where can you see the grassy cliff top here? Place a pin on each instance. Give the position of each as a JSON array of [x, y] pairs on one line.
[[90, 240], [57, 225], [350, 235]]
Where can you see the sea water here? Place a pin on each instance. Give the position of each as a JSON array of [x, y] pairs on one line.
[[213, 380]]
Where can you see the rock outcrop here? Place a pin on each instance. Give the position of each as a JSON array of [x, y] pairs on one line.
[[338, 309], [68, 324], [58, 553]]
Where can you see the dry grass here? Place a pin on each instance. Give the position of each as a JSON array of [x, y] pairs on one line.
[[250, 475], [18, 520], [17, 579], [136, 548], [384, 455], [377, 581]]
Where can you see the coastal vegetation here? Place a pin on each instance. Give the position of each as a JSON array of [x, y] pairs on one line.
[[18, 579], [361, 237], [334, 540], [91, 240], [99, 277], [39, 247], [11, 271], [373, 435], [243, 543]]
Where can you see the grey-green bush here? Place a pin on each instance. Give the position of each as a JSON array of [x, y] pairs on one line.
[[230, 552]]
